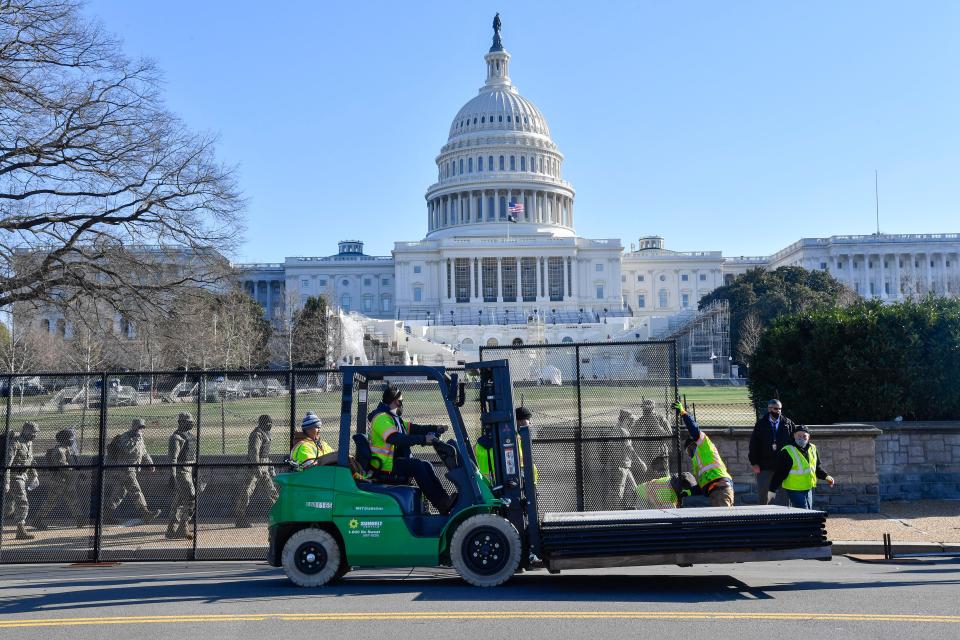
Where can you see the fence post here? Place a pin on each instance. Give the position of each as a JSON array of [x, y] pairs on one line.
[[674, 370], [293, 407], [578, 434], [3, 465], [201, 396], [101, 455]]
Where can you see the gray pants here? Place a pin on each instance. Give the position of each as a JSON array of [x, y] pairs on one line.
[[62, 493], [184, 501], [257, 476], [763, 486], [126, 484]]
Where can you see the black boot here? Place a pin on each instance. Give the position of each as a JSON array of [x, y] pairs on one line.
[[22, 533]]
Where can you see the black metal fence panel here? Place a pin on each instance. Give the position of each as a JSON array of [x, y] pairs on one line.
[[179, 465], [602, 421]]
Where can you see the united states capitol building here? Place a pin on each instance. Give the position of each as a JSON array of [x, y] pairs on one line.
[[501, 262]]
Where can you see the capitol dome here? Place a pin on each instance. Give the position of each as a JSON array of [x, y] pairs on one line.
[[499, 167]]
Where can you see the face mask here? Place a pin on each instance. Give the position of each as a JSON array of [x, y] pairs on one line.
[[267, 427], [801, 442]]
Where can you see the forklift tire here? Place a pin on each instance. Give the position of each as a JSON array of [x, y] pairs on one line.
[[485, 550], [311, 558]]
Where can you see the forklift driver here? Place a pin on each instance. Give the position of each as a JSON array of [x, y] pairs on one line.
[[390, 440]]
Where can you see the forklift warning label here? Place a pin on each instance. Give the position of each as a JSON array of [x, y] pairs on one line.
[[366, 528], [511, 465]]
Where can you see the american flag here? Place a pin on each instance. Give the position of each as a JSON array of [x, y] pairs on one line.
[[515, 207]]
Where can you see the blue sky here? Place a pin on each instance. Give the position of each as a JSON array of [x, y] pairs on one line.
[[735, 126]]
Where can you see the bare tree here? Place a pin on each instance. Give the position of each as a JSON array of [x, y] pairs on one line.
[[750, 330], [101, 188]]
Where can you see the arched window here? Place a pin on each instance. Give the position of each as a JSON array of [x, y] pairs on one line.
[[490, 208], [461, 166], [45, 325], [508, 118], [517, 342], [466, 342], [492, 342], [499, 118], [567, 339], [474, 121], [541, 164], [345, 302], [663, 298], [503, 207], [469, 165], [386, 302], [501, 163], [513, 163], [483, 120], [489, 163], [523, 163]]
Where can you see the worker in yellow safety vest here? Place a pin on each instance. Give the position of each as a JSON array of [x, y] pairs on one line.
[[708, 468], [667, 492], [484, 448], [798, 467], [390, 440], [309, 449]]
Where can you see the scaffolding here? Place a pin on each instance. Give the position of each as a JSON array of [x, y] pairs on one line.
[[704, 339]]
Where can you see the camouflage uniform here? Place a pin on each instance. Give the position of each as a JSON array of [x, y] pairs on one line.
[[182, 448], [62, 482], [130, 449], [258, 452], [17, 483]]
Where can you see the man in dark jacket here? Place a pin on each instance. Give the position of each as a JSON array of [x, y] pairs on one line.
[[771, 434], [798, 469]]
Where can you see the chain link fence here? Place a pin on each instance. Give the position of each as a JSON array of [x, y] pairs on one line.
[[111, 472], [602, 419]]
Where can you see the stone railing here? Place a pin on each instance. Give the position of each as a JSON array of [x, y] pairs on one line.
[[918, 460]]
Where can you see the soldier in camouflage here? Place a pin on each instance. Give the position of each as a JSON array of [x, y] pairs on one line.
[[129, 448], [62, 482], [653, 425], [17, 482], [258, 452], [182, 448]]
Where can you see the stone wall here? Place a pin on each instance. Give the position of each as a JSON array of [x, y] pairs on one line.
[[849, 454], [918, 460]]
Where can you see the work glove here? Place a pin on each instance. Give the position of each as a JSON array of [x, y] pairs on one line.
[[830, 480], [33, 484], [678, 407], [431, 438], [771, 495]]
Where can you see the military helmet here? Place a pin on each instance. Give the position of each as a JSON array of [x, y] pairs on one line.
[[65, 436], [264, 421], [184, 417], [30, 428], [138, 423]]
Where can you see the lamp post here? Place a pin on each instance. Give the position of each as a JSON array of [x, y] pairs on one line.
[[480, 317], [428, 318], [452, 321]]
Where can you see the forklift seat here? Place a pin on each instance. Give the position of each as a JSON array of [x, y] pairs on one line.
[[364, 457], [406, 496]]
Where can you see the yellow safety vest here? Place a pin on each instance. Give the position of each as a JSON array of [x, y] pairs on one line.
[[707, 465], [383, 426], [306, 452], [803, 474], [658, 493]]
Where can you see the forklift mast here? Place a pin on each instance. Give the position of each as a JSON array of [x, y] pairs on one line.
[[513, 479]]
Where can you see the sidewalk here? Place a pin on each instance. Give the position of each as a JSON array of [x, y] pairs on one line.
[[923, 526]]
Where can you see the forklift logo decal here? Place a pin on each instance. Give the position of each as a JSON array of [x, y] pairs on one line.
[[320, 505], [365, 528]]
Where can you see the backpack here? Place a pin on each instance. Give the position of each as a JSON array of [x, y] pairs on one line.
[[114, 449]]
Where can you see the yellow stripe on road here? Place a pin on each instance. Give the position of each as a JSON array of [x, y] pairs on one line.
[[477, 615]]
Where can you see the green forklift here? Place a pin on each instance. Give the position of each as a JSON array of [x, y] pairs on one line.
[[331, 519]]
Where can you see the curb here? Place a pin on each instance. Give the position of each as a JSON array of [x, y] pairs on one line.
[[867, 547]]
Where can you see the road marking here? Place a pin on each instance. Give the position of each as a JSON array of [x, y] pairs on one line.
[[478, 615]]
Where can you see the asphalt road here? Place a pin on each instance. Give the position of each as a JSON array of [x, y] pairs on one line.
[[838, 599]]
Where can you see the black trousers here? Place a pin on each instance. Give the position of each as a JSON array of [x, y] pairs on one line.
[[426, 478]]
